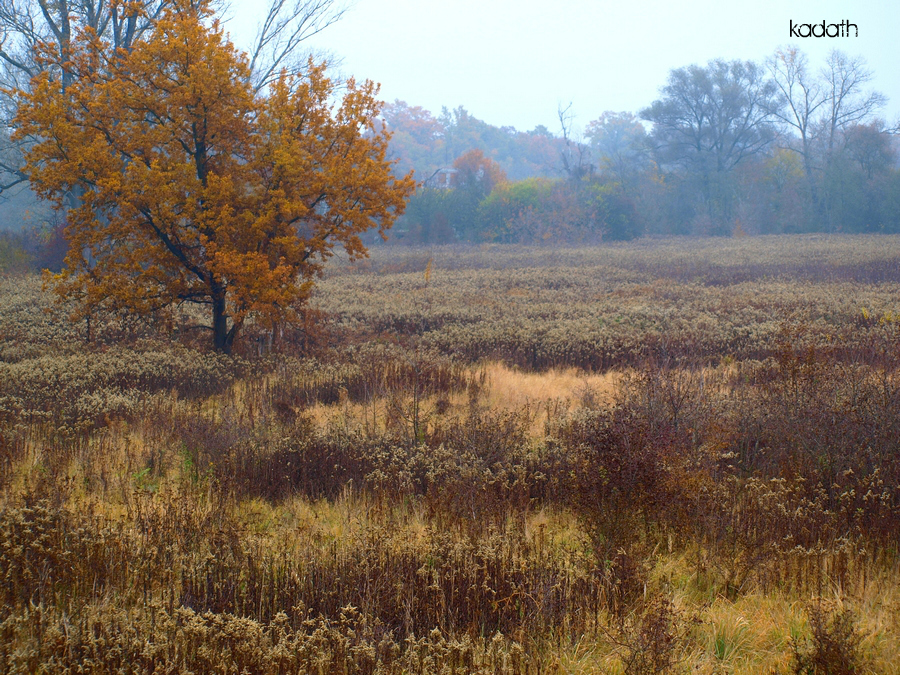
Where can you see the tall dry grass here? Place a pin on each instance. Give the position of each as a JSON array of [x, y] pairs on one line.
[[391, 503]]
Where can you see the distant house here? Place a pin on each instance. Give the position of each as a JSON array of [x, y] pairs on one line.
[[442, 179]]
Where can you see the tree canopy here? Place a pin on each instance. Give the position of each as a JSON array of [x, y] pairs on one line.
[[192, 186]]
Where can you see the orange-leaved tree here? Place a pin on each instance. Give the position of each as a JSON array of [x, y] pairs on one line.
[[478, 174], [190, 187]]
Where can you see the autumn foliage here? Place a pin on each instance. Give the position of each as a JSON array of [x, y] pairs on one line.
[[182, 184]]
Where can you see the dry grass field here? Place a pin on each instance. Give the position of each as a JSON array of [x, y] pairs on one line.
[[660, 457]]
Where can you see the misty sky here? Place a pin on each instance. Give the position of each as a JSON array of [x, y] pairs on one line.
[[513, 62]]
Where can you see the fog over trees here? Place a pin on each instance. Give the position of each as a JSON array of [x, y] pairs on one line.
[[729, 147]]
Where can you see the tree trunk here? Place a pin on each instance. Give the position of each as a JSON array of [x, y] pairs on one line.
[[223, 337]]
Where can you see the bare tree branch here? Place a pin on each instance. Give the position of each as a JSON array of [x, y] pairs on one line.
[[846, 102], [576, 156], [286, 25]]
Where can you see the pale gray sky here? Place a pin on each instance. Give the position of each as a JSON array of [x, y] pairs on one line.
[[512, 62]]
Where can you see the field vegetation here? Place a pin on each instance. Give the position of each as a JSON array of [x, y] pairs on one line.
[[660, 456]]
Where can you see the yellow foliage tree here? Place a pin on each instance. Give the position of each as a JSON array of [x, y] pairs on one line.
[[189, 187]]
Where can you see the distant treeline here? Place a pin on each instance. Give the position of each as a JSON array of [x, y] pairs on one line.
[[729, 148]]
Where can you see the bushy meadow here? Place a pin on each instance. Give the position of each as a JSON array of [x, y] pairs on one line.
[[656, 457]]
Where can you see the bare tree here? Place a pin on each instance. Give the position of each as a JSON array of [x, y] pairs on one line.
[[818, 108], [575, 155], [800, 100]]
